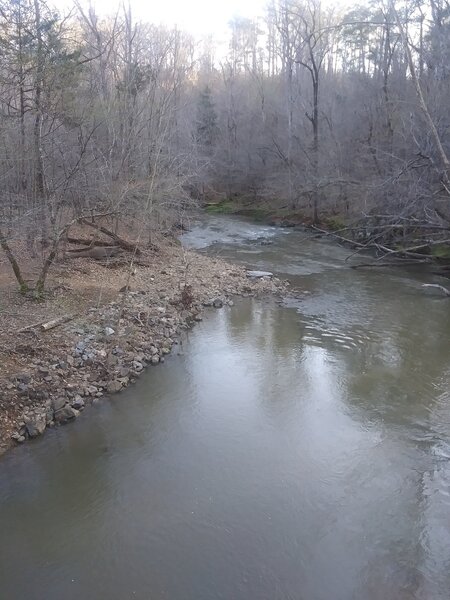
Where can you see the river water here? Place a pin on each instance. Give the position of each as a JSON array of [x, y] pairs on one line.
[[295, 452]]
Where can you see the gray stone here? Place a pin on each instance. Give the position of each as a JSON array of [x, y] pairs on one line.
[[259, 274], [67, 413], [217, 303], [77, 402], [111, 360], [113, 387], [109, 331], [155, 360], [49, 414], [35, 427], [80, 347], [58, 403]]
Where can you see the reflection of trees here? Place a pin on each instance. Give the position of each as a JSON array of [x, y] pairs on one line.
[[273, 339]]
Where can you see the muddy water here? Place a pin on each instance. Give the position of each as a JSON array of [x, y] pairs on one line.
[[289, 453]]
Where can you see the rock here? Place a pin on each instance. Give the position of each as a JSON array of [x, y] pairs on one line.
[[65, 414], [17, 437], [111, 360], [155, 360], [77, 402], [35, 427], [217, 303], [58, 403], [80, 347], [113, 387], [123, 371], [22, 388], [137, 366], [49, 415], [109, 331], [23, 378], [259, 274]]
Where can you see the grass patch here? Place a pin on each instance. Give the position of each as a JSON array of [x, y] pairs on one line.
[[441, 251], [334, 223], [220, 208]]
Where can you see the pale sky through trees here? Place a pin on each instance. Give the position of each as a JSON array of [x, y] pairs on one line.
[[195, 16]]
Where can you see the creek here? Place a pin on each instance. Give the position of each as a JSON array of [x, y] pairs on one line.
[[290, 451]]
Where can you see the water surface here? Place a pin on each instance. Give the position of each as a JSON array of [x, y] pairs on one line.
[[297, 452]]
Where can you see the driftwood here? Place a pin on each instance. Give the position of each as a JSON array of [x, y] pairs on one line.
[[128, 246], [439, 287], [97, 252], [409, 252], [47, 325]]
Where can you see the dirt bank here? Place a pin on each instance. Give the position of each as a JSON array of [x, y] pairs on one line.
[[48, 377]]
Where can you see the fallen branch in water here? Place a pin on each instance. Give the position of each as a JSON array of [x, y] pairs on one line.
[[403, 263], [439, 287], [408, 252]]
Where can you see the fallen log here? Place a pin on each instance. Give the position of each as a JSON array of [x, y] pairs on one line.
[[47, 325], [128, 246], [84, 242], [97, 252], [404, 263]]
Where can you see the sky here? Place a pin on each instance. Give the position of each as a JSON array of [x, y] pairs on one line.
[[199, 17]]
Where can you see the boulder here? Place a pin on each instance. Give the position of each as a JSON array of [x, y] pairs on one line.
[[113, 387], [58, 403], [77, 402], [66, 414], [35, 427]]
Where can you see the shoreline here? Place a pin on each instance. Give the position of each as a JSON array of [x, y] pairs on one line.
[[108, 347]]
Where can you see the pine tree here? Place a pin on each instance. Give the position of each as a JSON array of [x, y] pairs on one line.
[[206, 130]]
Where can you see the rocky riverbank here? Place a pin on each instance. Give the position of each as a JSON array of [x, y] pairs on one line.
[[54, 375]]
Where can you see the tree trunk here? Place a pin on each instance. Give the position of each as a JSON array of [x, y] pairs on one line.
[[14, 264]]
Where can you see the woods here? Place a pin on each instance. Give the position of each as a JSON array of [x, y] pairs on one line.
[[335, 115]]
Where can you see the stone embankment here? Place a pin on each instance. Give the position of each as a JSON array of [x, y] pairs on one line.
[[108, 347]]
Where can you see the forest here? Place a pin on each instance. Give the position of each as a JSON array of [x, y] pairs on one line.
[[338, 116]]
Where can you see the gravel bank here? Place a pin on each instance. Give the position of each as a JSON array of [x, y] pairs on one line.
[[56, 374]]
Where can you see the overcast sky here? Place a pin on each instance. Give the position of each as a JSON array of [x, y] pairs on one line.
[[196, 16]]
